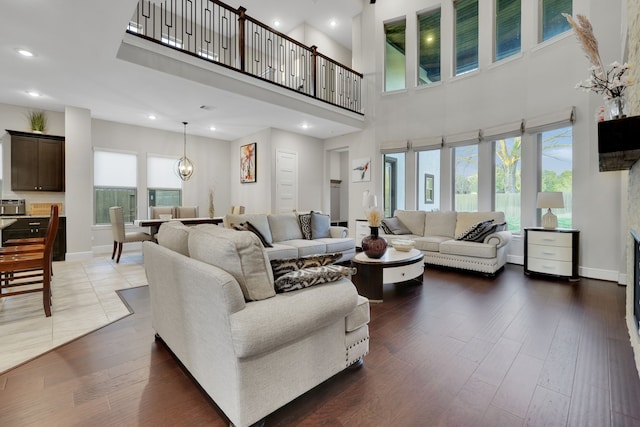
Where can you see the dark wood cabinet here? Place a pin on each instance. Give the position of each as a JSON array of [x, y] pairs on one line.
[[28, 227], [37, 162]]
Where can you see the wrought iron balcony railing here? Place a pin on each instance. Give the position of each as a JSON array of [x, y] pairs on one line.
[[229, 37]]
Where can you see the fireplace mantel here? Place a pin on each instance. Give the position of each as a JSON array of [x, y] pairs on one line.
[[619, 143]]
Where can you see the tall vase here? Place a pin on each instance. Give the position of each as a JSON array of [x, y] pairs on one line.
[[373, 245], [616, 108]]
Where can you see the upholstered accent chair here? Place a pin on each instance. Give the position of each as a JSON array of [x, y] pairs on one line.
[[156, 211], [186, 212], [116, 215]]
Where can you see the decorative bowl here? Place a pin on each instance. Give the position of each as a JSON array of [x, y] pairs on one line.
[[404, 245]]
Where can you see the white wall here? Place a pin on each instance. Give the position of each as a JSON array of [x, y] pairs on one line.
[[310, 36], [539, 80]]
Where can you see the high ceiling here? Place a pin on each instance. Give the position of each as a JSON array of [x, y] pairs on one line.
[[75, 45]]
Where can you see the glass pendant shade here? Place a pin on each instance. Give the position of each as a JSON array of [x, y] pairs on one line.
[[184, 166]]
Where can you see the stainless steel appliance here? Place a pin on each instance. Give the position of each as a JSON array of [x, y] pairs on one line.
[[12, 207]]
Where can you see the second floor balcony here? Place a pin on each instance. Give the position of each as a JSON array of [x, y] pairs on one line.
[[218, 33]]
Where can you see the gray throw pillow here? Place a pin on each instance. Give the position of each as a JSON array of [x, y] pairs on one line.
[[395, 226], [247, 226], [320, 224]]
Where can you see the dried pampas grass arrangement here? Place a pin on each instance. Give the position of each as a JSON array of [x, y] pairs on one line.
[[374, 216], [584, 33]]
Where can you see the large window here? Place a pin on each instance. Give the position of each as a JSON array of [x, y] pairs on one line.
[[428, 180], [507, 180], [395, 55], [114, 184], [556, 161], [429, 47], [466, 36], [394, 186], [552, 22], [466, 178], [164, 188], [508, 28]]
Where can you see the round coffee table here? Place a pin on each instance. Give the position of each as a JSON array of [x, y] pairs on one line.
[[394, 267]]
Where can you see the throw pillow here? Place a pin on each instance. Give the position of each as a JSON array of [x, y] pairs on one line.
[[396, 226], [477, 231], [305, 225], [238, 253], [281, 267], [247, 226], [501, 227], [384, 227], [320, 224], [306, 277]]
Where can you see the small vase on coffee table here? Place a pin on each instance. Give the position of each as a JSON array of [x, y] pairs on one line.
[[373, 245]]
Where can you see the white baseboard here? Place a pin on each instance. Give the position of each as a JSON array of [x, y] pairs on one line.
[[590, 273], [78, 256]]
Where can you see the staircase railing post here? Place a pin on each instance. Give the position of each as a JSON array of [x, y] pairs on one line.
[[314, 73], [241, 36]]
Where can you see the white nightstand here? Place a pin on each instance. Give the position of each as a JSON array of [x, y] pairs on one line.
[[552, 252]]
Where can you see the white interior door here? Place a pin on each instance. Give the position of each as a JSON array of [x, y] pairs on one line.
[[286, 181]]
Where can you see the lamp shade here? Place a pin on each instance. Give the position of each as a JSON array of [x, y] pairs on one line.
[[550, 199]]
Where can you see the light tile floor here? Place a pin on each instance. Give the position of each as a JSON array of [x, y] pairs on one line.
[[84, 299]]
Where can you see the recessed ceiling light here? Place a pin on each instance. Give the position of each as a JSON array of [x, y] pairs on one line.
[[34, 93], [333, 23], [212, 128], [305, 126], [152, 117], [276, 23], [25, 52]]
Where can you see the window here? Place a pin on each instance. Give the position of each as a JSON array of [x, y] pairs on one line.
[[429, 47], [114, 184], [394, 189], [428, 166], [508, 28], [466, 36], [552, 22], [466, 178], [164, 188], [395, 53], [507, 180], [556, 152]]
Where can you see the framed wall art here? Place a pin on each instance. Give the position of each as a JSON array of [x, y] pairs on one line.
[[361, 169], [248, 161]]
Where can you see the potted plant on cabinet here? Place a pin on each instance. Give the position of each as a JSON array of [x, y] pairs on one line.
[[38, 121]]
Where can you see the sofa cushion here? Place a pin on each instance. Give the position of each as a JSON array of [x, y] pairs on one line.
[[464, 248], [280, 251], [310, 276], [240, 253], [307, 247], [338, 244], [305, 225], [281, 267], [429, 243], [174, 235], [320, 224], [359, 316], [259, 221], [440, 224], [247, 226], [284, 226], [467, 219], [396, 226], [413, 220]]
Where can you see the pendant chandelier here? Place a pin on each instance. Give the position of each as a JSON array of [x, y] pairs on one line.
[[184, 166]]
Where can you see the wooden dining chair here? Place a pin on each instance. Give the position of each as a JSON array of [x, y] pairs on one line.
[[116, 215], [32, 240], [23, 271]]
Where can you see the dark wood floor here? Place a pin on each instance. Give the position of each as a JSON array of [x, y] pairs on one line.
[[459, 350]]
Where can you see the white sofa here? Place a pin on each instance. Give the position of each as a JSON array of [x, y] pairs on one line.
[[250, 357], [284, 233], [435, 234]]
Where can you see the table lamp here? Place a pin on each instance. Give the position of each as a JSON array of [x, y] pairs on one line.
[[548, 200]]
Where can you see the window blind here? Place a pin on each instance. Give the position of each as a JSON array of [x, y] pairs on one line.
[[550, 121]]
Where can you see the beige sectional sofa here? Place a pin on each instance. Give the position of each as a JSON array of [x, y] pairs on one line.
[[285, 235], [251, 350], [435, 234]]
